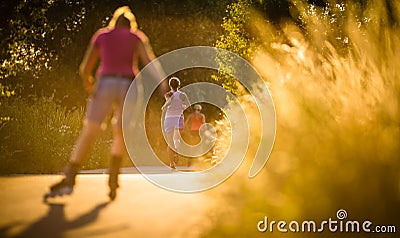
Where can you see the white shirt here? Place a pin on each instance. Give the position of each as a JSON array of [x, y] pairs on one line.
[[176, 104]]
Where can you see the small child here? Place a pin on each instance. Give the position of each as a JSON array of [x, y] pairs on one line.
[[176, 103]]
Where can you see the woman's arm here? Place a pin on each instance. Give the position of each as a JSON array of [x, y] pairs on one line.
[[166, 104], [146, 42], [185, 101], [88, 63], [156, 71]]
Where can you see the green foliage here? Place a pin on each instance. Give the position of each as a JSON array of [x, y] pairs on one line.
[[38, 137], [6, 91], [38, 37], [31, 41], [236, 39]]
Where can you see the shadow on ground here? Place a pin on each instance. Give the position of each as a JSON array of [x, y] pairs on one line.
[[54, 224]]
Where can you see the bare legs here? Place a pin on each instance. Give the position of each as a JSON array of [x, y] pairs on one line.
[[174, 140], [88, 136], [118, 151], [118, 147], [85, 141], [170, 152]]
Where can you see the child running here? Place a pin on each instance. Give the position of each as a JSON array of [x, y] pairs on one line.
[[175, 103]]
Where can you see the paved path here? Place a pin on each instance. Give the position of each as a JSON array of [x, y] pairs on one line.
[[141, 209]]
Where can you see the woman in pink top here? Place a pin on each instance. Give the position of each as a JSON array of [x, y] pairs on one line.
[[119, 48]]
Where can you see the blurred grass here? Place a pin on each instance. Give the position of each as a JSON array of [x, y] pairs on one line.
[[338, 125], [40, 134]]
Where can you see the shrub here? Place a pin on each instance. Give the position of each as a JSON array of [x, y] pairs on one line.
[[40, 134]]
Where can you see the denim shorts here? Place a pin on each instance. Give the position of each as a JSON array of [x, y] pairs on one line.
[[109, 95], [171, 123]]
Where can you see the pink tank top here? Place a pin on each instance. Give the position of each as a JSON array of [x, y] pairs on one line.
[[117, 47]]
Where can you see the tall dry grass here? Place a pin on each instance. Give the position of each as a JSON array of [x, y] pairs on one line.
[[338, 123]]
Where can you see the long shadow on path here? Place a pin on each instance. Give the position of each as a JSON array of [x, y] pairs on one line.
[[54, 223]]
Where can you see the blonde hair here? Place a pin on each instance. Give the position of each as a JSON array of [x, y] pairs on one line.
[[125, 12], [197, 106]]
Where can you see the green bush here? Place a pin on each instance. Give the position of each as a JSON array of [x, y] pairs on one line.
[[40, 134]]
